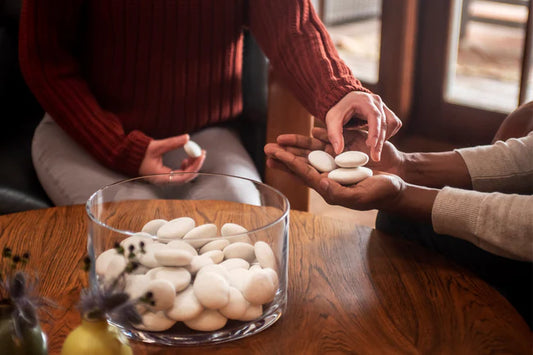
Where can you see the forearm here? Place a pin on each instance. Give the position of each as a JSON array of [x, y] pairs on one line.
[[302, 53], [435, 170], [499, 223]]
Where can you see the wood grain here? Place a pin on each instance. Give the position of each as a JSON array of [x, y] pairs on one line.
[[351, 290]]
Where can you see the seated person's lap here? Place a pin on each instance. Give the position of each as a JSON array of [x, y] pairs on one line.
[[70, 175]]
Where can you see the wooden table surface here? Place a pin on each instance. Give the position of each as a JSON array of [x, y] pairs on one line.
[[351, 290]]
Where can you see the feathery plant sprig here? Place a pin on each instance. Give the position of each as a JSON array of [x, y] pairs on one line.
[[18, 289]]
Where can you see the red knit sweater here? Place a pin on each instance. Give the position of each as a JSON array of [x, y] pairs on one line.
[[115, 74]]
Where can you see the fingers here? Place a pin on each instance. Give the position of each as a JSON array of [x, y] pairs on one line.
[[332, 192], [335, 137], [193, 164], [320, 134], [297, 140], [375, 117], [162, 146]]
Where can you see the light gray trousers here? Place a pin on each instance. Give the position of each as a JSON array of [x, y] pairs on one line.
[[70, 175]]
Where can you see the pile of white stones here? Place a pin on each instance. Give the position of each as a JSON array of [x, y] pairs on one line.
[[199, 282], [346, 168]]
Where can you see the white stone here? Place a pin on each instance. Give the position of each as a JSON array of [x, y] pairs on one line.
[[102, 260], [351, 159], [140, 270], [234, 232], [349, 176], [240, 250], [148, 259], [253, 311], [152, 226], [180, 244], [173, 257], [258, 287], [186, 306], [211, 289], [216, 268], [321, 161], [265, 255], [163, 293], [192, 149], [236, 306], [235, 263], [179, 277], [273, 276], [200, 235], [255, 267], [136, 240], [198, 262], [155, 322], [115, 267], [176, 228], [136, 285], [218, 244], [207, 321], [216, 255], [237, 278]]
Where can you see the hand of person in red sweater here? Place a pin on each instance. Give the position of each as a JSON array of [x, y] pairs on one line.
[[153, 159], [371, 111]]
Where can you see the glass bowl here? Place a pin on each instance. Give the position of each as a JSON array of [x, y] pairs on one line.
[[119, 212]]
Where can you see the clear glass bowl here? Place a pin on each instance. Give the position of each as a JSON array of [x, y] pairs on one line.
[[120, 210]]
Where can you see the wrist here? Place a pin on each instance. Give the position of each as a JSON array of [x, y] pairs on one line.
[[414, 202], [405, 165]]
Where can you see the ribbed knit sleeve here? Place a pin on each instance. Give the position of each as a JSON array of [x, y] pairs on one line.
[[499, 223], [48, 39], [503, 166], [302, 52]]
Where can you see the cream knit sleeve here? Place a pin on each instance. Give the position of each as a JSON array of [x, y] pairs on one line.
[[503, 166], [501, 223]]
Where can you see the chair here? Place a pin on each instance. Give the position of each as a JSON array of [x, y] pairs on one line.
[[19, 187], [273, 110]]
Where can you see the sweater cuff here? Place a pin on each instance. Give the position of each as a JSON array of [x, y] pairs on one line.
[[133, 154], [455, 212], [335, 95]]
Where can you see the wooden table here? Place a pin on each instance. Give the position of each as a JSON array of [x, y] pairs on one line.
[[351, 290]]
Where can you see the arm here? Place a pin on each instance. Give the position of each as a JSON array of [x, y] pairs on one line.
[[47, 39], [302, 52], [499, 223]]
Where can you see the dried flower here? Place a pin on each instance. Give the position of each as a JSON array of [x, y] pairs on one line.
[[109, 299], [18, 290]]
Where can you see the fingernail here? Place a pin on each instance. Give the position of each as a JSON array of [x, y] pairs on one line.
[[335, 146]]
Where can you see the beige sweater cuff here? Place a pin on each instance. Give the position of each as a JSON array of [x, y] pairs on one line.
[[449, 218], [498, 223]]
